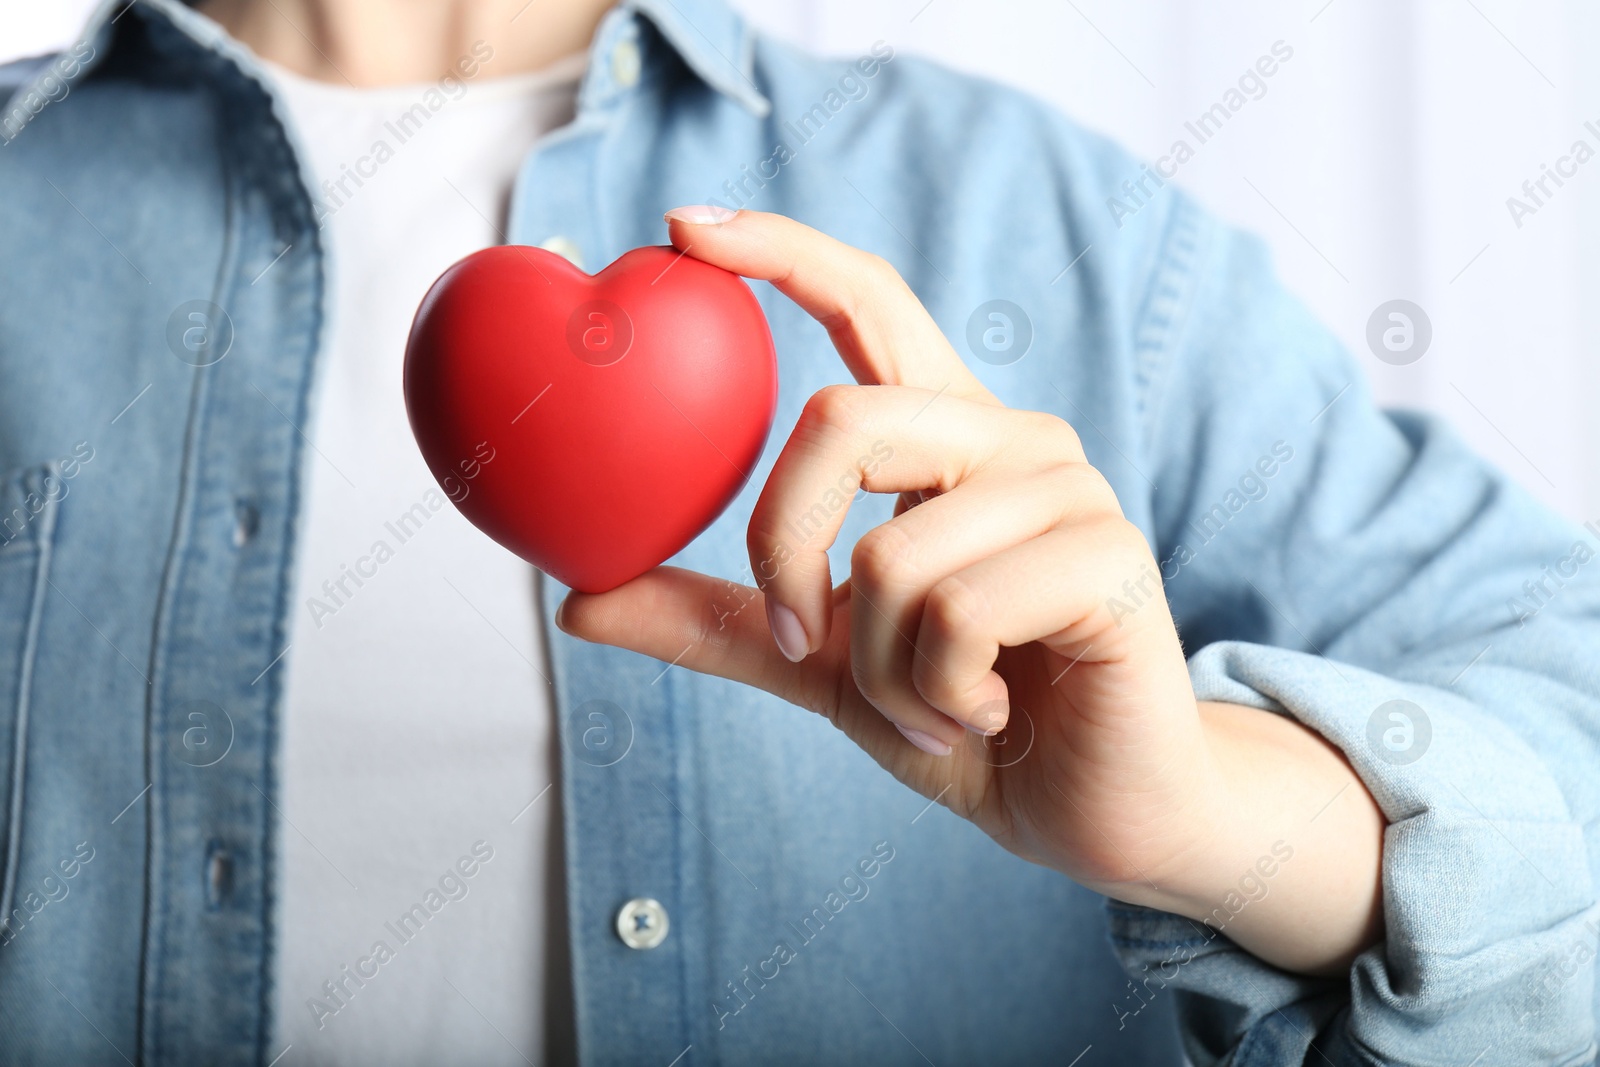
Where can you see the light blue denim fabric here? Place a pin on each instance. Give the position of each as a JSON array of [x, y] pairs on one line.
[[1323, 559]]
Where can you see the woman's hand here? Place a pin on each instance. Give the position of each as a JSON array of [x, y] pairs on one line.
[[973, 651]]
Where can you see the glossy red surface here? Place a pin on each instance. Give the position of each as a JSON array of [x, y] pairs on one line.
[[621, 413]]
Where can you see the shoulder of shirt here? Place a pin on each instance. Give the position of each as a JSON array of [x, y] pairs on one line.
[[19, 72], [941, 121], [906, 86], [1010, 156]]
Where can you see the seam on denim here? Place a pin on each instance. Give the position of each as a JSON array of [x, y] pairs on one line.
[[44, 539], [1157, 933], [171, 571], [1125, 941], [1262, 1042], [1257, 1046], [290, 214], [609, 121], [305, 292], [204, 65], [270, 725], [1149, 916], [1117, 907], [572, 862], [568, 1027], [675, 725], [1197, 938], [1367, 1057], [1162, 318], [147, 1001]]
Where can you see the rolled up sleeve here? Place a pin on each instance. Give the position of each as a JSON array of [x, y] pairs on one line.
[[1391, 591]]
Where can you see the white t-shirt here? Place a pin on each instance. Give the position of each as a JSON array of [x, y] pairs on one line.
[[417, 724]]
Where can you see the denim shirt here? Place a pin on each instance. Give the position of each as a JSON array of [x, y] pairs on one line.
[[1357, 570]]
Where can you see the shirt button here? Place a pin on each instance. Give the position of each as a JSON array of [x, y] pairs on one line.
[[625, 64], [564, 247], [642, 923], [246, 520]]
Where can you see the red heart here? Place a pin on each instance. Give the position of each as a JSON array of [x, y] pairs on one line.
[[592, 425]]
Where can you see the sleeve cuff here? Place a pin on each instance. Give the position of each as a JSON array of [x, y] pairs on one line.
[[1490, 919]]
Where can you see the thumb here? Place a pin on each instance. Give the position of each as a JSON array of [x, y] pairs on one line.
[[704, 624]]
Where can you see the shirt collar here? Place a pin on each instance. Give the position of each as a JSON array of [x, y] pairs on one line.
[[714, 40], [711, 38]]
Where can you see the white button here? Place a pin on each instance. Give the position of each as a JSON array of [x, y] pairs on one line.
[[642, 923], [625, 64], [564, 247]]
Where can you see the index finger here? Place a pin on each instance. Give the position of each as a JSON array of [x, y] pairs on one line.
[[881, 329]]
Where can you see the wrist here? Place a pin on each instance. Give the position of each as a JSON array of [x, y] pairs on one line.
[[1289, 846], [1209, 843]]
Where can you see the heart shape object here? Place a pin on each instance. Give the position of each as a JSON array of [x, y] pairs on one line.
[[592, 425]]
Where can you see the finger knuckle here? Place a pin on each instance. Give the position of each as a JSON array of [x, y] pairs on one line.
[[1124, 541], [884, 558], [955, 607], [879, 271], [1085, 486], [1062, 437], [874, 285], [834, 408]]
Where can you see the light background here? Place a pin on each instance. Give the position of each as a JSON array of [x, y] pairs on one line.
[[1377, 167]]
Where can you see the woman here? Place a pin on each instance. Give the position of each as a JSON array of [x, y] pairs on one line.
[[307, 723]]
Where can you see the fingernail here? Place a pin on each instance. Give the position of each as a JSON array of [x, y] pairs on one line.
[[987, 724], [927, 742], [701, 214], [787, 631], [561, 616]]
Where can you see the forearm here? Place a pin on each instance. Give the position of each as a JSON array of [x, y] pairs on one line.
[[1289, 846]]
